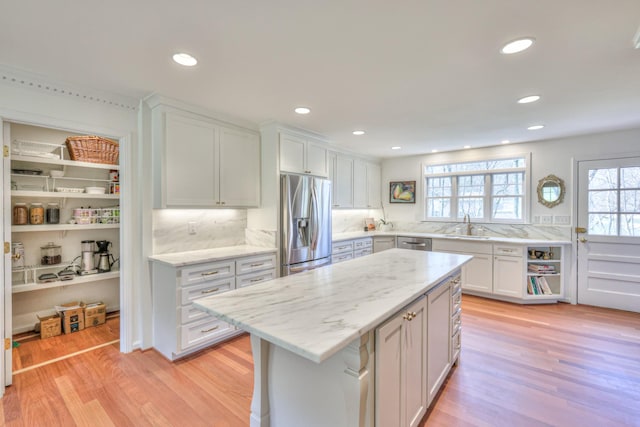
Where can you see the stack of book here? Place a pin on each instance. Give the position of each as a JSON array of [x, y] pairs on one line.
[[542, 268], [538, 286]]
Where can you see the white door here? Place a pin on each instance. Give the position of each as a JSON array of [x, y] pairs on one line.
[[609, 248], [415, 372], [5, 266], [239, 168]]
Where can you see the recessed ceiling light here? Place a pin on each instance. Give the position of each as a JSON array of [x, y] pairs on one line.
[[517, 45], [528, 99], [535, 127], [396, 148], [358, 132], [467, 146], [505, 141], [434, 150], [185, 59], [302, 110]]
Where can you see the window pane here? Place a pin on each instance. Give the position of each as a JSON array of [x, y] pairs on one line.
[[439, 208], [439, 187], [508, 163], [472, 206], [630, 201], [603, 224], [479, 166], [603, 201], [630, 177], [507, 207], [630, 225], [471, 185], [602, 179], [508, 184]]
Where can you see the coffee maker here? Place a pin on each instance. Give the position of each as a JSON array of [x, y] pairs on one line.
[[104, 257], [87, 263]]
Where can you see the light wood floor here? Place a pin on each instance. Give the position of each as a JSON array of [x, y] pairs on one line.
[[556, 365]]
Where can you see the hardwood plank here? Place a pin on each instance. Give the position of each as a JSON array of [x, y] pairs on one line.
[[544, 365]]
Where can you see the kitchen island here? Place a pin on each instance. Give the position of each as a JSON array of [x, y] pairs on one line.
[[312, 334]]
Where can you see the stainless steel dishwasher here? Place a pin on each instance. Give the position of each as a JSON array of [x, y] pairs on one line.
[[415, 243]]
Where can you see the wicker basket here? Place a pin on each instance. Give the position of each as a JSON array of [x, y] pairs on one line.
[[93, 149]]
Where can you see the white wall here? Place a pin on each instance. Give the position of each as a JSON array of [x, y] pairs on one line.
[[547, 157]]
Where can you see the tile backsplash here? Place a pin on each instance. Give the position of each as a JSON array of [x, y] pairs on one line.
[[214, 229]]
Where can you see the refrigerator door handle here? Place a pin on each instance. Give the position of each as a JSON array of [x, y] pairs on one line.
[[315, 212]]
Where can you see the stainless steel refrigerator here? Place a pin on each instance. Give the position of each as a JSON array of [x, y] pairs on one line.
[[305, 240]]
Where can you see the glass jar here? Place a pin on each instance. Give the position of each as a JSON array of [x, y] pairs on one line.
[[17, 255], [53, 213], [20, 214], [36, 214], [50, 254]]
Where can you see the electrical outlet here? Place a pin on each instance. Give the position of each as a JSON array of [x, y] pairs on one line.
[[546, 219], [562, 219], [191, 227]]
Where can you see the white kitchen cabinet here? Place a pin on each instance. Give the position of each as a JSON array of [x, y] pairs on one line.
[[545, 272], [438, 338], [366, 185], [508, 270], [382, 243], [401, 367], [341, 175], [199, 162], [349, 249], [477, 274], [302, 155], [180, 329]]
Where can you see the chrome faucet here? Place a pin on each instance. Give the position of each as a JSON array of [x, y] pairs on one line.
[[467, 220]]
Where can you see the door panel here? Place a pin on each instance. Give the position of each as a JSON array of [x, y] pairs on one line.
[[609, 251], [5, 267]]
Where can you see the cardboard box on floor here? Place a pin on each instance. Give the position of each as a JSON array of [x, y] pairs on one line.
[[95, 314], [72, 316], [50, 326]]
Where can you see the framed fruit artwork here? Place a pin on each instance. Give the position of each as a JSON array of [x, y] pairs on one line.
[[402, 192]]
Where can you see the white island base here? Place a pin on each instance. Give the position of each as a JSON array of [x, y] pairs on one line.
[[290, 390]]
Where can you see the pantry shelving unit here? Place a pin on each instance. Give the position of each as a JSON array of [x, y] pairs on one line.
[[43, 150], [545, 265]]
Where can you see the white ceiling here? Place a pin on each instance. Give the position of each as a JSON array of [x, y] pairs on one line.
[[422, 74]]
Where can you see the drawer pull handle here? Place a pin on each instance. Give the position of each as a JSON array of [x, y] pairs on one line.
[[257, 280], [257, 265], [204, 331], [209, 273], [208, 291]]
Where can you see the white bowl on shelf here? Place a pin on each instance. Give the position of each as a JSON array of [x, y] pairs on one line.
[[56, 174], [95, 190]]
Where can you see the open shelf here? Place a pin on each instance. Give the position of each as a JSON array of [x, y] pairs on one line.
[[62, 195], [60, 227], [59, 162], [57, 284]]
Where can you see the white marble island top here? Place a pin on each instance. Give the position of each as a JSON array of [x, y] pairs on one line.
[[319, 312], [181, 259]]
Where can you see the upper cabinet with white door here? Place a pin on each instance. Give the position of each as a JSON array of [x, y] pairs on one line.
[[201, 162], [299, 154], [366, 185]]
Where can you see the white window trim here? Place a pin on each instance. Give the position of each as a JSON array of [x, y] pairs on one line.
[[526, 197]]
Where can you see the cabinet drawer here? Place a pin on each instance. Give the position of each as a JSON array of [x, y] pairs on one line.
[[456, 285], [362, 252], [456, 301], [362, 243], [255, 278], [456, 322], [212, 287], [255, 263], [341, 257], [188, 313], [200, 332], [456, 342], [210, 271], [461, 246], [340, 247], [508, 250]]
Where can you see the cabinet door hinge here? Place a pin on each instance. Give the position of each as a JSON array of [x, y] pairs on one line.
[[7, 343], [7, 247], [6, 151]]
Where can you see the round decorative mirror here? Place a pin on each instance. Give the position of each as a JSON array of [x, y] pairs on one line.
[[550, 191]]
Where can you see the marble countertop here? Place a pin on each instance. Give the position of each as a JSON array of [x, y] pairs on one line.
[[339, 237], [317, 313], [181, 259]]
